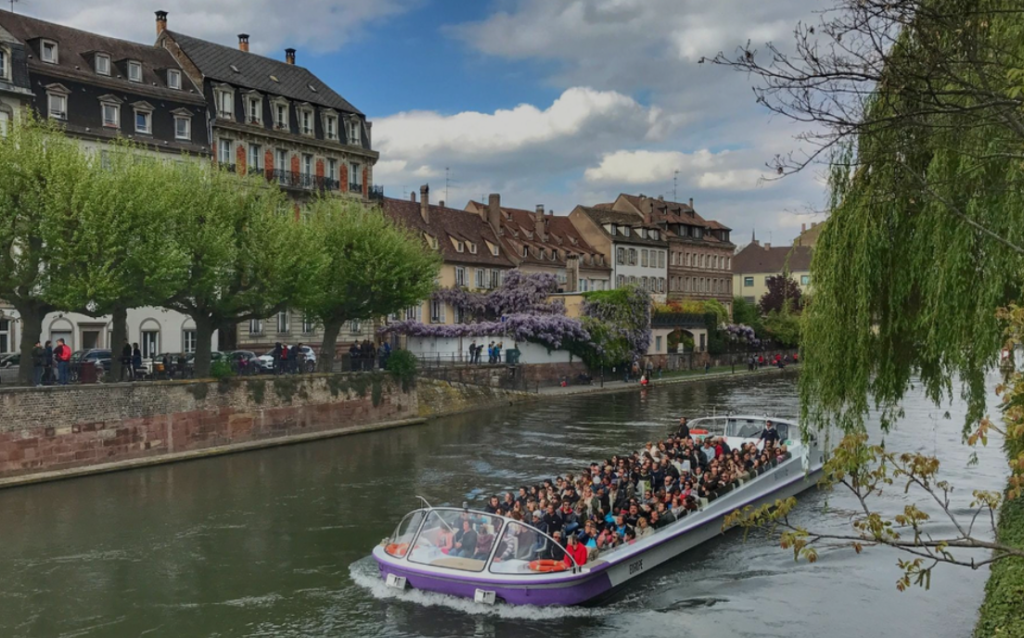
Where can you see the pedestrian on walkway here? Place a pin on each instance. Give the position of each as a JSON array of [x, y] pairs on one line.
[[127, 369], [293, 357], [276, 356], [63, 355], [48, 377], [136, 361], [37, 364]]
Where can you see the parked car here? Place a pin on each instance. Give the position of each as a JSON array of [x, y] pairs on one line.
[[245, 362], [155, 367], [10, 360], [309, 359]]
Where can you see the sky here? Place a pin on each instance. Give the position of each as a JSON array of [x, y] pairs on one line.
[[553, 102]]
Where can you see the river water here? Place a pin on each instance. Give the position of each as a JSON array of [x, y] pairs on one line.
[[275, 542]]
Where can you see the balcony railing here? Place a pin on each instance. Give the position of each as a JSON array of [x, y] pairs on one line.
[[377, 193], [304, 181], [355, 188]]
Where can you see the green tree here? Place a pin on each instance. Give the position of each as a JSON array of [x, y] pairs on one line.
[[918, 106], [248, 258], [119, 233], [370, 268], [43, 173], [746, 313], [783, 326]]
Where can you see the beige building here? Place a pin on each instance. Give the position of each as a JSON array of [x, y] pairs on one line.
[[473, 258], [753, 265]]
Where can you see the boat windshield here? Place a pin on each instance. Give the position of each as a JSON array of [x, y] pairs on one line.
[[751, 428], [456, 539], [521, 544], [404, 533]]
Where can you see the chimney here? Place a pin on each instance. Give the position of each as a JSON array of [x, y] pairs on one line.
[[803, 228], [691, 202], [540, 209], [425, 203], [538, 223], [493, 214], [161, 22], [412, 196], [441, 203], [767, 246], [289, 56], [661, 198], [243, 42]]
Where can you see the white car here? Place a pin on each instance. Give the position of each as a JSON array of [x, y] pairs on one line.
[[267, 360]]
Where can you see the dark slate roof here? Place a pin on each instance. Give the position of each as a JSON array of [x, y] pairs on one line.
[[756, 258], [602, 216], [254, 71], [450, 222], [74, 58]]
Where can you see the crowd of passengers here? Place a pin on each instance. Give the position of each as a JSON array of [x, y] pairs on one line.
[[625, 499]]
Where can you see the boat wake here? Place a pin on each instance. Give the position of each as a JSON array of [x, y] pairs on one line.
[[365, 575]]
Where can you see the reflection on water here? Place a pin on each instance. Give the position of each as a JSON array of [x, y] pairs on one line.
[[275, 543]]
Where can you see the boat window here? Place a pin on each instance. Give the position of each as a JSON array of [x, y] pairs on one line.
[[746, 429], [518, 547], [404, 534], [456, 539]]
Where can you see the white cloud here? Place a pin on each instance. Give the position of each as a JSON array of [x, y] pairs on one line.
[[318, 25]]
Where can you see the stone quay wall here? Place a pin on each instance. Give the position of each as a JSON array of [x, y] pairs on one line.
[[56, 431]]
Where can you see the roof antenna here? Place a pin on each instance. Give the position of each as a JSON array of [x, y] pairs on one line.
[[12, 4], [675, 186]]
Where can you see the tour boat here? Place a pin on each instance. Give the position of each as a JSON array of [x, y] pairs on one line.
[[411, 558]]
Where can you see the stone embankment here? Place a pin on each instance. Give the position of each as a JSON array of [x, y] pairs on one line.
[[52, 433]]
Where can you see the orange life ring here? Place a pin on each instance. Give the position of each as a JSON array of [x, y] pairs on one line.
[[547, 565], [397, 549], [699, 431]]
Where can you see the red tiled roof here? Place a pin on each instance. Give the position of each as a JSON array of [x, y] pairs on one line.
[[450, 222]]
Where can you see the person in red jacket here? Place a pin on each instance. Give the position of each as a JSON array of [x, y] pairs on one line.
[[577, 551]]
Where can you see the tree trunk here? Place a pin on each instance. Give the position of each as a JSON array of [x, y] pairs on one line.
[[227, 336], [329, 345], [31, 329], [204, 337], [119, 334]]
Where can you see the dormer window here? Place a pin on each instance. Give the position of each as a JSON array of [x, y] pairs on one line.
[[460, 247], [134, 71], [48, 51], [225, 99], [143, 118], [110, 105], [174, 79], [472, 248], [3, 64], [254, 109], [57, 101], [102, 64], [526, 251], [280, 114], [306, 121], [182, 124], [494, 249], [331, 127]]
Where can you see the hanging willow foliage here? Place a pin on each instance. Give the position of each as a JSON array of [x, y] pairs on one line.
[[923, 245]]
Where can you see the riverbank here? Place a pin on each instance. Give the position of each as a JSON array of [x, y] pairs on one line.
[[687, 376], [51, 433], [1002, 613]]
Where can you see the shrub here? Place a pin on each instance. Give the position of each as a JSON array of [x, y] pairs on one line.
[[221, 370], [402, 366]]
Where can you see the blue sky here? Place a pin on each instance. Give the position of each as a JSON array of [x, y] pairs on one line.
[[554, 102]]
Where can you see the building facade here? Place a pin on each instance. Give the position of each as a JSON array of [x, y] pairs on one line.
[[700, 250], [277, 119], [539, 242], [637, 250], [101, 89], [472, 253], [753, 265]]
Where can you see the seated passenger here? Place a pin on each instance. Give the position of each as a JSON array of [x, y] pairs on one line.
[[575, 553], [555, 551], [445, 539], [643, 529], [465, 541], [484, 542]]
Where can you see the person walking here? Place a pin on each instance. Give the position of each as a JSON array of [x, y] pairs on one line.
[[136, 361], [300, 358], [293, 357], [37, 364], [63, 355], [48, 377], [126, 362], [276, 355], [472, 351]]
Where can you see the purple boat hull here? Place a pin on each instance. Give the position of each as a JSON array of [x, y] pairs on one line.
[[573, 593]]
